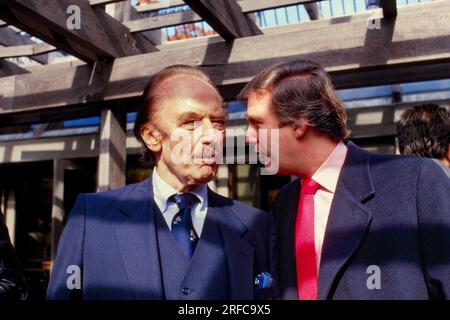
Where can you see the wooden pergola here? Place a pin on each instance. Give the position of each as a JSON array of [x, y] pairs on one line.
[[117, 50], [117, 55]]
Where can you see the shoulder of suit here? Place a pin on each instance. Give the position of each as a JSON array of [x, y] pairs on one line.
[[109, 198], [245, 212], [399, 163], [255, 219]]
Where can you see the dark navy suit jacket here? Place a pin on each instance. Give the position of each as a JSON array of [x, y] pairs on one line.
[[111, 236], [391, 212]]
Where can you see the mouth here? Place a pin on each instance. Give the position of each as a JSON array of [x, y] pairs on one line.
[[209, 161], [207, 157]]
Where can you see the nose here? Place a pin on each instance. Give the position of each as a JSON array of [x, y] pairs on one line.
[[209, 133]]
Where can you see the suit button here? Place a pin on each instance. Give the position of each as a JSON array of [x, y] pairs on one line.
[[185, 291]]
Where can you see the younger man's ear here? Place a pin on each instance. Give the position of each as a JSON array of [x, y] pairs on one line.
[[151, 138], [300, 129]]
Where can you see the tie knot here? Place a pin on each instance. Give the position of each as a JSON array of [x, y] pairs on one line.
[[184, 200], [309, 186]]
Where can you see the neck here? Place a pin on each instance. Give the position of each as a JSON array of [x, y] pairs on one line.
[[313, 150]]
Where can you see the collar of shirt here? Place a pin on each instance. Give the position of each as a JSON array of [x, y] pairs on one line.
[[162, 191], [328, 173]]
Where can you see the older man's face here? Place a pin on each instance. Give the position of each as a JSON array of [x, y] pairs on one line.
[[191, 119]]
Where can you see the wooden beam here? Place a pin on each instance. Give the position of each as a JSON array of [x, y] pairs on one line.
[[99, 36], [177, 18], [8, 68], [157, 22], [160, 5], [389, 8], [9, 38], [394, 75], [112, 149], [225, 17], [417, 48], [57, 206], [249, 6], [313, 10], [102, 2], [27, 50]]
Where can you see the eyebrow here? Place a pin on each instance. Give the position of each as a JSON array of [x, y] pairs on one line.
[[187, 116], [254, 118]]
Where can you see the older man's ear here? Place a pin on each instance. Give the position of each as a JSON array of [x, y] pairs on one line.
[[151, 138]]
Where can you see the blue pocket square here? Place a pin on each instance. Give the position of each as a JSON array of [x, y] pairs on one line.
[[263, 280]]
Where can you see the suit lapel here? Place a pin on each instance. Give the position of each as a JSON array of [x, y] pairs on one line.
[[239, 251], [136, 234], [286, 223], [349, 219]]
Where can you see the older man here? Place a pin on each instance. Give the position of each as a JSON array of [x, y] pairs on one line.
[[169, 237], [356, 225]]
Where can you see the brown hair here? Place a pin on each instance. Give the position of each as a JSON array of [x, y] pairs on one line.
[[424, 131], [302, 91], [151, 97]]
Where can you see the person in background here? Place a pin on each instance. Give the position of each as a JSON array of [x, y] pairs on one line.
[[424, 131], [12, 280]]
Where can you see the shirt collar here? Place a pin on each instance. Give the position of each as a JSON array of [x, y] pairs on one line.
[[162, 191], [328, 173]]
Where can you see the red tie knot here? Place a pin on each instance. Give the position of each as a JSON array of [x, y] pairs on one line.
[[309, 186]]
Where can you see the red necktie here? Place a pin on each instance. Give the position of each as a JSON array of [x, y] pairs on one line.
[[305, 250]]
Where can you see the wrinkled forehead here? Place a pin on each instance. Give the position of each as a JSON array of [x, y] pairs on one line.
[[186, 86]]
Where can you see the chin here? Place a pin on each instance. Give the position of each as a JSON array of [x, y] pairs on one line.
[[205, 173]]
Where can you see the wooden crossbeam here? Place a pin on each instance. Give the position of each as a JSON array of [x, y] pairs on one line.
[[389, 8], [8, 69], [100, 36], [185, 17], [313, 10], [225, 17], [160, 5], [27, 50], [249, 6], [102, 2], [10, 38], [157, 22], [416, 48]]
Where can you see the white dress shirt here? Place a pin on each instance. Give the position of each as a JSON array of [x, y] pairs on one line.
[[327, 176], [162, 191]]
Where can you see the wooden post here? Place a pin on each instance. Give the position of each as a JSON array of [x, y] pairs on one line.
[[112, 149], [57, 206], [10, 215], [222, 180]]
